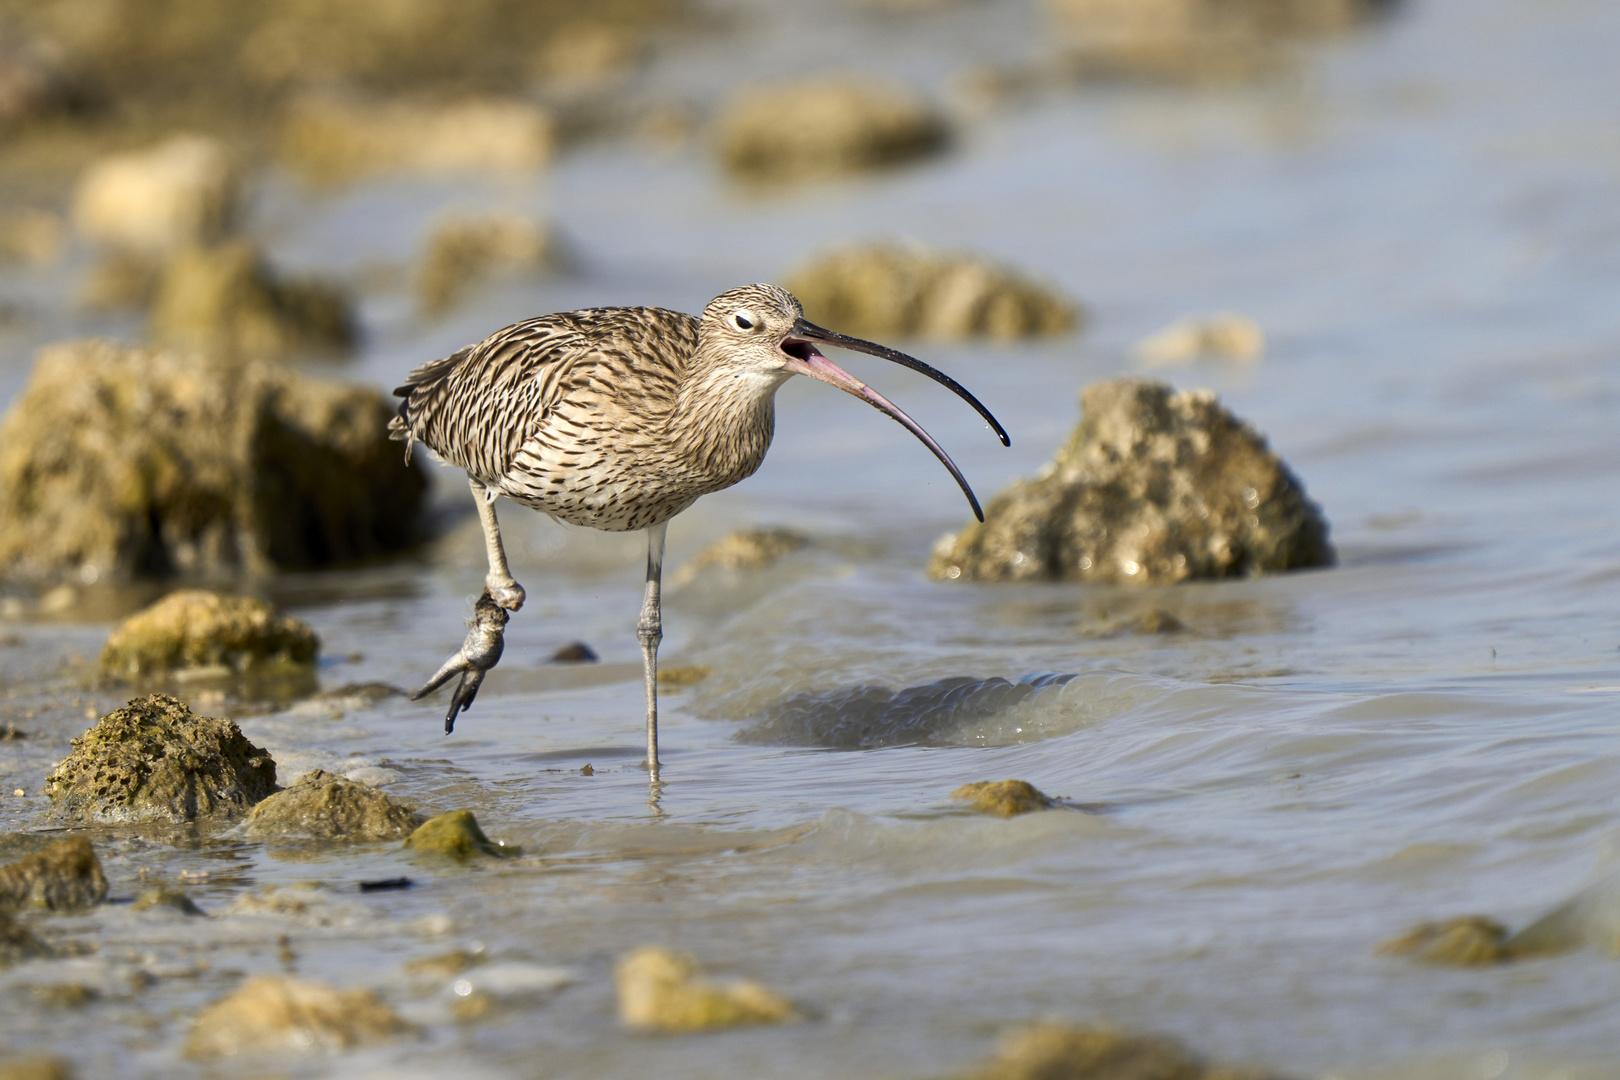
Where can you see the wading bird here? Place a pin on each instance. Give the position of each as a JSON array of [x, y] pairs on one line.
[[619, 418]]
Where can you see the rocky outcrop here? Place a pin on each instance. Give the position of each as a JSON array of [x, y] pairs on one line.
[[330, 138], [154, 760], [226, 301], [660, 990], [887, 290], [1153, 487], [823, 126], [64, 877], [466, 251], [129, 462], [181, 192], [197, 629], [323, 806], [271, 1013], [1003, 798]]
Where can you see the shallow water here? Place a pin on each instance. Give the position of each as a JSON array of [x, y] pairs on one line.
[[1425, 219]]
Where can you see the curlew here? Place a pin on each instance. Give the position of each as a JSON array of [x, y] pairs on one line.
[[619, 418]]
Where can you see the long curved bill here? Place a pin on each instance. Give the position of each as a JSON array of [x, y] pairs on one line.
[[805, 359]]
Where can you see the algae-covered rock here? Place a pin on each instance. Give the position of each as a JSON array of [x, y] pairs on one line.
[[1004, 798], [272, 1013], [1153, 487], [1225, 335], [166, 898], [330, 138], [17, 943], [1054, 1051], [120, 462], [192, 628], [1467, 941], [180, 192], [325, 806], [456, 835], [155, 760], [745, 549], [64, 877], [36, 1068], [226, 301], [886, 290], [680, 677], [660, 990], [465, 251], [825, 125]]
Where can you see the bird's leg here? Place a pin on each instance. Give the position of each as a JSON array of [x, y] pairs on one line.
[[481, 651], [650, 631], [506, 592]]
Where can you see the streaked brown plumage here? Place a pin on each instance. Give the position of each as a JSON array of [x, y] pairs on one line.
[[620, 418]]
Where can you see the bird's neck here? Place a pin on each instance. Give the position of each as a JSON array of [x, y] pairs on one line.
[[724, 419]]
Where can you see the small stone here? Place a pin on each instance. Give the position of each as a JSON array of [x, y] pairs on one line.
[[175, 899], [1059, 1052], [678, 678], [473, 1006], [65, 996], [64, 877], [465, 251], [37, 1068], [1004, 798], [17, 944], [456, 835], [271, 1013], [1222, 336], [192, 628], [586, 770], [156, 760], [1467, 941], [445, 965], [888, 290], [660, 990], [746, 549], [1153, 487], [331, 138], [325, 806], [824, 126], [576, 653], [180, 192]]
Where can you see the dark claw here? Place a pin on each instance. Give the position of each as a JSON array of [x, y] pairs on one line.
[[480, 652]]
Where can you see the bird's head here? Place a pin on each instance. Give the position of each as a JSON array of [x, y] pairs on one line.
[[759, 332]]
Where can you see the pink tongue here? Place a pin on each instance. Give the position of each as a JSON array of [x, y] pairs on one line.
[[818, 366]]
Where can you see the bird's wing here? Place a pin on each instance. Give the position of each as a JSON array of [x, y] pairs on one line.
[[477, 407]]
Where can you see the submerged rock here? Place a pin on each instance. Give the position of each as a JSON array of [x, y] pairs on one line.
[[888, 290], [156, 760], [173, 899], [1004, 798], [864, 717], [181, 192], [1153, 487], [273, 1013], [36, 1068], [64, 877], [660, 990], [745, 549], [825, 125], [192, 628], [1223, 336], [120, 462], [1060, 1052], [330, 138], [456, 835], [324, 806], [17, 943], [1467, 941], [678, 678], [465, 251], [226, 301]]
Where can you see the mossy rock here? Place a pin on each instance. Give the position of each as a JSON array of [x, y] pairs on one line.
[[64, 877], [457, 836], [1466, 941], [274, 1014], [322, 805], [660, 990], [1003, 798], [154, 760], [1154, 487], [1054, 1051], [192, 628], [171, 899]]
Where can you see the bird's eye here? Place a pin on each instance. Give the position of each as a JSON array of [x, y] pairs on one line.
[[744, 320]]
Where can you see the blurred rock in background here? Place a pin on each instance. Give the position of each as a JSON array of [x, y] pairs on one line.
[[465, 250]]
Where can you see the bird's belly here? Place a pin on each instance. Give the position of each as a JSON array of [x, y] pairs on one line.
[[601, 493]]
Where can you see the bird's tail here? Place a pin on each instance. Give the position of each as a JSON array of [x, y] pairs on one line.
[[420, 388]]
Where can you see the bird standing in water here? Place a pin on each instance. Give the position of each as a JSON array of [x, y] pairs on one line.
[[618, 419]]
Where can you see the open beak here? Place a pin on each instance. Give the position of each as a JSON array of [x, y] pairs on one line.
[[805, 359]]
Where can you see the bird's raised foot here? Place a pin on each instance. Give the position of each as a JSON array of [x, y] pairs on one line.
[[481, 651], [505, 592]]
